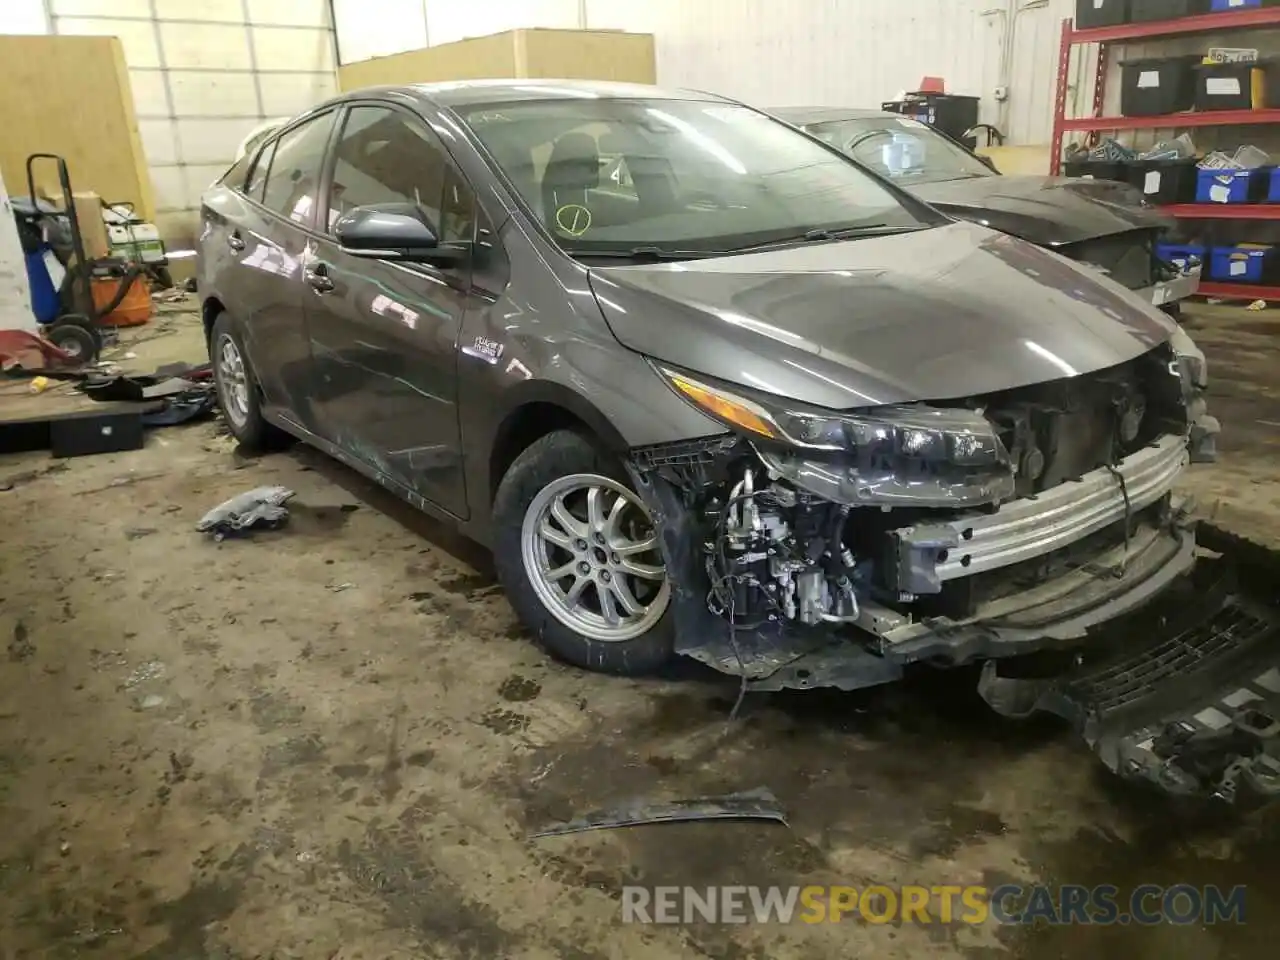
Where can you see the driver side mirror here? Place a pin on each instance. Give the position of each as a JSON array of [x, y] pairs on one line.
[[394, 231]]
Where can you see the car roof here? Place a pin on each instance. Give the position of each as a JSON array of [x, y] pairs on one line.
[[805, 115], [461, 94]]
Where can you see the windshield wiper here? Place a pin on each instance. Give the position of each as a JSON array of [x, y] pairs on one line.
[[843, 232], [646, 254], [824, 235]]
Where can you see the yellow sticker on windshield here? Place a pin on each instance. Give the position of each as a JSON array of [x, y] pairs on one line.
[[574, 219]]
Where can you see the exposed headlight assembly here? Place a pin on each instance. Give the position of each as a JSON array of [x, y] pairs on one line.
[[910, 431], [905, 455]]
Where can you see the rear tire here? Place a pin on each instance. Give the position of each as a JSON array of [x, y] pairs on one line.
[[579, 558], [239, 395]]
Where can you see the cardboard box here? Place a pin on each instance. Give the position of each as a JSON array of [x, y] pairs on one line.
[[93, 229]]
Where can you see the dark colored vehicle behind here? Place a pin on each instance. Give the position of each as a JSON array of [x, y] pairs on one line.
[[1099, 222], [705, 385]]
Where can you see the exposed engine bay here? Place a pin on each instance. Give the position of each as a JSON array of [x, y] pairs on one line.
[[901, 511], [994, 530]]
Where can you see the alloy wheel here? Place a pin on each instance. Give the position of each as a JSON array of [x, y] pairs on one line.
[[591, 552], [233, 381]]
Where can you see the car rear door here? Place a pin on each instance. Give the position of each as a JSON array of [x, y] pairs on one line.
[[384, 334], [262, 232], [279, 340]]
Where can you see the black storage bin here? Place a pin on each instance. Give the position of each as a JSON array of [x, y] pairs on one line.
[[1154, 87], [116, 427], [1097, 169], [1101, 13], [951, 113], [1165, 181], [1230, 86], [1144, 11]]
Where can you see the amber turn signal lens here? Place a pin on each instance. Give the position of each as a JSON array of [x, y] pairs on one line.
[[725, 408]]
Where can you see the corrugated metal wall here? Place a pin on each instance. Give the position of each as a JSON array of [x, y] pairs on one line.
[[204, 73], [773, 53]]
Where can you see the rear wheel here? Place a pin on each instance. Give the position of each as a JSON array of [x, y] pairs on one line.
[[579, 557], [238, 392]]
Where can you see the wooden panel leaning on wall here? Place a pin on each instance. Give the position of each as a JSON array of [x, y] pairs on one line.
[[71, 96], [563, 54]]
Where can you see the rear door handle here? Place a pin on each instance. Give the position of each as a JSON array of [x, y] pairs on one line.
[[318, 278], [235, 243]]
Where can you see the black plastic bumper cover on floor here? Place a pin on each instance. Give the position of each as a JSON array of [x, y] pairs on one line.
[[1191, 703]]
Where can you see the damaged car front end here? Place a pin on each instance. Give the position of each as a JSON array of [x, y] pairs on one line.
[[993, 526], [810, 549], [939, 445]]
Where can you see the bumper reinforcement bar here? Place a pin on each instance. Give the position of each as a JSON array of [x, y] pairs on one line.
[[929, 554]]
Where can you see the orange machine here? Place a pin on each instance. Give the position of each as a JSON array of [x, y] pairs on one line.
[[136, 307]]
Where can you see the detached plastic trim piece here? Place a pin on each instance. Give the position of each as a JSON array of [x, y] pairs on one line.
[[757, 804]]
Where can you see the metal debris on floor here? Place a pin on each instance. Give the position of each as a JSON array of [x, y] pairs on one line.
[[260, 507], [758, 804]]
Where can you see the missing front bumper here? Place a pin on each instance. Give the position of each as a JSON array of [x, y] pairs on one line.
[[925, 556], [774, 656], [1172, 291], [1055, 616]]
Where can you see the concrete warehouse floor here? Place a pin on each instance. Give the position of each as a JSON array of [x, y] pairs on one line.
[[331, 741]]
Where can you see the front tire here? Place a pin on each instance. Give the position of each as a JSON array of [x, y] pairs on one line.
[[238, 393], [579, 557]]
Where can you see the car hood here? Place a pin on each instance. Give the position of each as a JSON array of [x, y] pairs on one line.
[[936, 314], [1044, 210]]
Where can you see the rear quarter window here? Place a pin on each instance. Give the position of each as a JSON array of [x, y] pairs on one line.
[[256, 181], [236, 176]]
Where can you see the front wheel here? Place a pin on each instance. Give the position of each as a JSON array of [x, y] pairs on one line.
[[579, 557]]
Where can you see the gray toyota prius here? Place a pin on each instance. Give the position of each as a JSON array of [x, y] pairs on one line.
[[707, 386]]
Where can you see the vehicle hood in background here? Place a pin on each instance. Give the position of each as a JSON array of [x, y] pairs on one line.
[[937, 314], [1044, 210]]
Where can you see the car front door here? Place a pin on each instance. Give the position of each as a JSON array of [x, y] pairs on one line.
[[385, 334]]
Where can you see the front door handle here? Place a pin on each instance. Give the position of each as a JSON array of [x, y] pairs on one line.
[[235, 243], [319, 279]]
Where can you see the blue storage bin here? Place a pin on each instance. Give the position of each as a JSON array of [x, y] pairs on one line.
[[1237, 264], [1227, 186], [1180, 253], [1273, 190], [1216, 5]]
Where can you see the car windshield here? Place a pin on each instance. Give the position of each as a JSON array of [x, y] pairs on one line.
[[901, 148], [673, 177]]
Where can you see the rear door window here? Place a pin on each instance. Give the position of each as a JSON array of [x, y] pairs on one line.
[[293, 176]]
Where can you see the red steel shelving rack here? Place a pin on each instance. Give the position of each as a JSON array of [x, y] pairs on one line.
[[1210, 22]]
